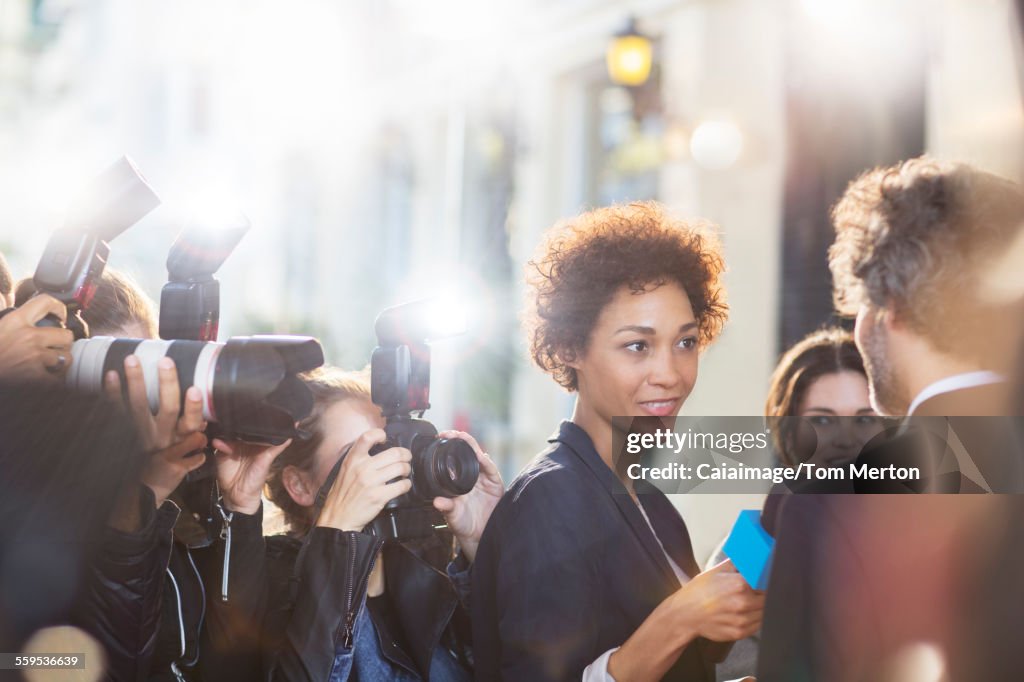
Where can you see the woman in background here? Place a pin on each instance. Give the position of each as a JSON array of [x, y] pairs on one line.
[[822, 380]]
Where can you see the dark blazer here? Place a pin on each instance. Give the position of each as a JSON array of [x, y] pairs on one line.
[[567, 568], [990, 439], [856, 578]]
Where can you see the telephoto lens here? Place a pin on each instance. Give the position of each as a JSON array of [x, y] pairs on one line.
[[249, 385]]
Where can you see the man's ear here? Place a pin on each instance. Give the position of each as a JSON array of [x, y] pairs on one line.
[[298, 485], [870, 316], [888, 319]]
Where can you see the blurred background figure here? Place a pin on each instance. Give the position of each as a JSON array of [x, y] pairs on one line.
[[57, 490]]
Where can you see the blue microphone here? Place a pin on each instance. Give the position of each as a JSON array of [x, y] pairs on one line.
[[749, 547]]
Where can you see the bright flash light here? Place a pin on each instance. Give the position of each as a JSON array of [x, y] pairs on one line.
[[223, 219], [446, 316], [716, 145], [215, 213]]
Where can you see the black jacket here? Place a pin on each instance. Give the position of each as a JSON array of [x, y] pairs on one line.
[[567, 568], [156, 606], [858, 578], [318, 607]]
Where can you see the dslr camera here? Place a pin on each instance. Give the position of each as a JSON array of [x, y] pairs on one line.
[[249, 385], [400, 387]]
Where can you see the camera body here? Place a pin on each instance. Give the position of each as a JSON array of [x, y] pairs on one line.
[[70, 270], [190, 301], [400, 386]]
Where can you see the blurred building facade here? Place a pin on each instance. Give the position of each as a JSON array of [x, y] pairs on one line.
[[394, 149]]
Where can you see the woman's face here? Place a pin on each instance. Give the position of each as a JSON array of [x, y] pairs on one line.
[[641, 358], [342, 423], [837, 419]]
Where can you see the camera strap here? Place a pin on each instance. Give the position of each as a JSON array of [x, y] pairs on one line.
[[325, 489]]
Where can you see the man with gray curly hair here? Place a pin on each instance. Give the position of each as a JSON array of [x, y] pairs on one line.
[[913, 245]]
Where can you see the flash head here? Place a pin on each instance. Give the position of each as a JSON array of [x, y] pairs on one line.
[[201, 248]]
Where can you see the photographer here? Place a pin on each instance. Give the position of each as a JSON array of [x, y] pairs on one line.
[[162, 599], [362, 609], [28, 352]]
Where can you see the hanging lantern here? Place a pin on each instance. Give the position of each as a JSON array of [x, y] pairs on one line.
[[629, 56]]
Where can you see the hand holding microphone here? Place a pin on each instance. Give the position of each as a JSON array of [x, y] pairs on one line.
[[719, 605]]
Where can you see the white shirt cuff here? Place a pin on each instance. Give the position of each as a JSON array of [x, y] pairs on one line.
[[598, 670]]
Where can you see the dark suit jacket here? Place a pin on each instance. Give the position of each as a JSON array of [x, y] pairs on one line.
[[991, 440], [567, 568], [857, 578]]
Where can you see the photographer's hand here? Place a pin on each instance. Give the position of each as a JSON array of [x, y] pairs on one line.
[[242, 469], [168, 467], [361, 489], [163, 432], [165, 428], [28, 352], [467, 514]]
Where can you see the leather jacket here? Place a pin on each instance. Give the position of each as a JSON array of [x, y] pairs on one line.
[[320, 625], [154, 599]]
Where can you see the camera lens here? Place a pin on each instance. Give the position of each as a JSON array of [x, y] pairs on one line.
[[445, 467], [249, 385]]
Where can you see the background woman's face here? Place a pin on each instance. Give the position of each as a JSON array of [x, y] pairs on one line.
[[641, 359], [837, 419], [342, 423]]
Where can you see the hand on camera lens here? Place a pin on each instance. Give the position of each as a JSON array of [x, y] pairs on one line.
[[719, 605], [361, 489], [165, 428], [242, 469], [162, 434], [168, 467], [467, 514], [32, 353]]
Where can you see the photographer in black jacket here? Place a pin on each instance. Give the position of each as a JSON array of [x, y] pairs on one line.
[[345, 605], [161, 597]]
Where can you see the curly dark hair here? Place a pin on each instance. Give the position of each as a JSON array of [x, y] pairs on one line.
[[915, 238], [584, 261]]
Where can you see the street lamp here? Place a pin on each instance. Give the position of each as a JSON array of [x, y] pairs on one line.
[[629, 56]]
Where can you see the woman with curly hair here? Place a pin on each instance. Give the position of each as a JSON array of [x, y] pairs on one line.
[[582, 573]]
